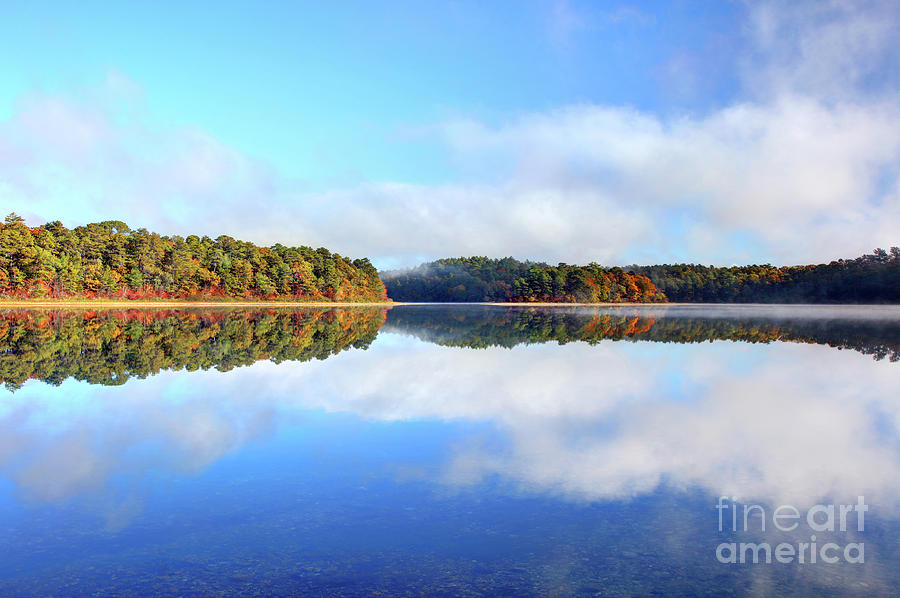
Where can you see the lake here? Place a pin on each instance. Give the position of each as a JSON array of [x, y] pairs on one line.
[[451, 451]]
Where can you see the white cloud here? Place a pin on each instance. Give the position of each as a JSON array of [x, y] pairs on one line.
[[831, 49], [771, 170]]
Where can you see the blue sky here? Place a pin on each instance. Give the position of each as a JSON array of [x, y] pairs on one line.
[[557, 130]]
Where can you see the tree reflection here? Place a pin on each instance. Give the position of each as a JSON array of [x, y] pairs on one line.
[[110, 346]]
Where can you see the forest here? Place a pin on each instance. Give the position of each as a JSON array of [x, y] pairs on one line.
[[873, 278], [483, 279], [464, 279], [584, 284], [109, 259], [109, 347]]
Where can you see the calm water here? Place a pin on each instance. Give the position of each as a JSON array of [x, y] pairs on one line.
[[448, 451]]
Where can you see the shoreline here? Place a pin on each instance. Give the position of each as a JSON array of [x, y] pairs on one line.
[[166, 304], [93, 303], [117, 303]]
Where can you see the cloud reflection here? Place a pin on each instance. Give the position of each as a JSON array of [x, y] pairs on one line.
[[781, 422]]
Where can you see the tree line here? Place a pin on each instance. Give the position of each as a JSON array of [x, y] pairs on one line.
[[873, 278], [109, 259], [584, 284], [474, 279]]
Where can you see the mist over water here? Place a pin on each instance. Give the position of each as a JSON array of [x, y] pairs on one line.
[[440, 449]]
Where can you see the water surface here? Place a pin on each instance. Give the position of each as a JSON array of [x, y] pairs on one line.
[[443, 450]]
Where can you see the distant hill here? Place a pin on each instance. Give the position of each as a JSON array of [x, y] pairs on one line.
[[475, 279], [457, 279], [109, 259], [873, 278]]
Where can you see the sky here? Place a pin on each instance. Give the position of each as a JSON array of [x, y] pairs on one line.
[[558, 130]]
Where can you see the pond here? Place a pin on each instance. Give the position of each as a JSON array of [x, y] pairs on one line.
[[451, 450]]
